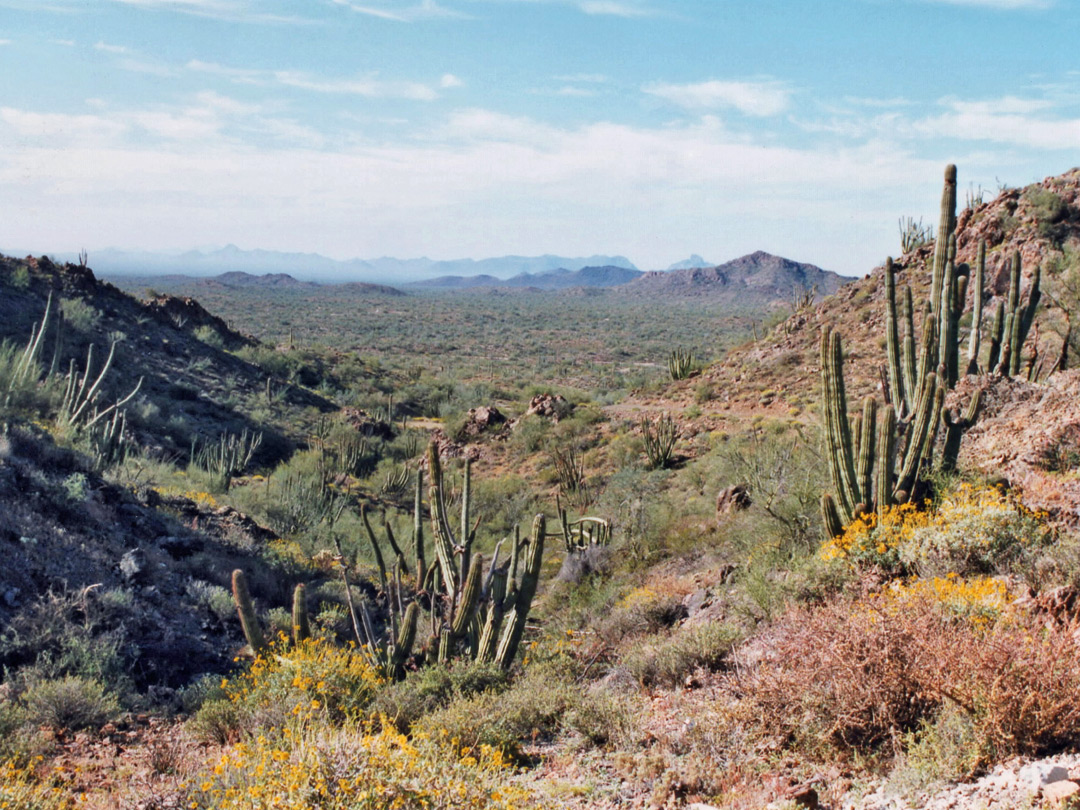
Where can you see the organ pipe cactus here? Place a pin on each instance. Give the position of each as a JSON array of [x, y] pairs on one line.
[[475, 610], [301, 626], [877, 462], [246, 610]]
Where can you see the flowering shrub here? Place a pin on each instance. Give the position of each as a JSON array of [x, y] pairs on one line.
[[316, 678], [355, 767], [21, 789], [971, 530], [980, 599]]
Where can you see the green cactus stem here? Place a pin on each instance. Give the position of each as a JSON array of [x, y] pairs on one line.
[[301, 626], [514, 628], [470, 597], [834, 526], [976, 309], [246, 610], [946, 226]]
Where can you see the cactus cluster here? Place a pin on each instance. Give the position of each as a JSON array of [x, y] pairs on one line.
[[680, 364], [877, 460]]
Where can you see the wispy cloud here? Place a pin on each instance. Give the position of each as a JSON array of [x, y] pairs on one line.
[[5, 41], [67, 43], [1020, 122], [615, 8], [369, 86], [1006, 5], [399, 12], [107, 48], [757, 98], [586, 78]]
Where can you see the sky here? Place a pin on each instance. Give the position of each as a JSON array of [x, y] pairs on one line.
[[651, 129]]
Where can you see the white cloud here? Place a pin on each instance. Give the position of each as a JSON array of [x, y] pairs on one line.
[[614, 8], [1007, 5], [424, 10], [1009, 120], [757, 98], [584, 78], [67, 43], [107, 48], [370, 86], [5, 41]]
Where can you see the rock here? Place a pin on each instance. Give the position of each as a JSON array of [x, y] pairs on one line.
[[732, 499], [696, 601], [135, 566], [179, 547], [1058, 794], [482, 418], [803, 795], [1037, 775], [553, 406]]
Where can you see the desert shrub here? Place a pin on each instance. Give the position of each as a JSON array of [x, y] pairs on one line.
[[22, 789], [210, 336], [79, 314], [69, 703], [667, 660], [642, 610], [945, 748], [970, 530], [1049, 211], [854, 676], [356, 768], [317, 677], [606, 719]]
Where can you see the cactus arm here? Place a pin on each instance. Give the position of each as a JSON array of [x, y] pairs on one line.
[[838, 429], [911, 390], [515, 626], [917, 439], [997, 331], [489, 636], [246, 611], [977, 309], [379, 561], [867, 447], [440, 529], [830, 516], [301, 626], [470, 598], [892, 335], [418, 528], [885, 458], [946, 225], [946, 315], [466, 534]]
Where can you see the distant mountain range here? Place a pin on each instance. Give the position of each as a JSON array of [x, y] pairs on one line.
[[558, 279], [314, 267]]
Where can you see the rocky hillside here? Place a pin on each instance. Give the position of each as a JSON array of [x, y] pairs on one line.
[[1041, 221], [194, 383], [756, 279]]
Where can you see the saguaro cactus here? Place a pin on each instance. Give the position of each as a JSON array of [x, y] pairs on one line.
[[246, 610]]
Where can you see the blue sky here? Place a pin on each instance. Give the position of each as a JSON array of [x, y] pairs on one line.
[[450, 128]]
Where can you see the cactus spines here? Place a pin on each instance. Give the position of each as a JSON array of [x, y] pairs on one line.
[[997, 333], [515, 624], [301, 627], [911, 387], [834, 526], [246, 610]]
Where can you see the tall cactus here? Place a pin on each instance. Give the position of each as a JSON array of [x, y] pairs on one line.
[[246, 610], [301, 626], [877, 465]]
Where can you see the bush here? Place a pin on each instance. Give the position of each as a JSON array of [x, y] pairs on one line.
[[970, 530], [667, 661], [855, 676], [69, 703]]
